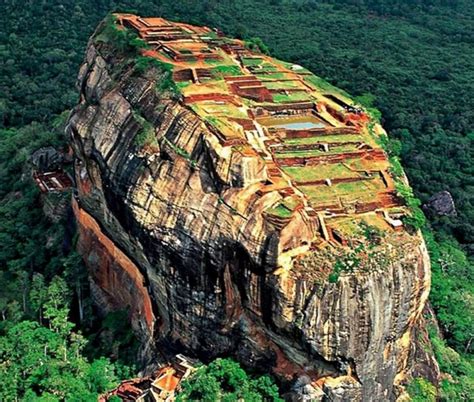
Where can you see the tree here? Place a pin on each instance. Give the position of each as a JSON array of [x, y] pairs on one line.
[[33, 365], [76, 275], [56, 306], [38, 295], [225, 380]]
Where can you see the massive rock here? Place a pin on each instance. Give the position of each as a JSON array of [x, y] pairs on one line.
[[440, 204], [177, 230]]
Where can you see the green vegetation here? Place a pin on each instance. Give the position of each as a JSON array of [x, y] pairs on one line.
[[296, 96], [368, 100], [346, 263], [421, 390], [320, 83], [181, 152], [272, 76], [324, 139], [281, 211], [308, 173], [371, 233], [146, 136], [125, 40], [226, 71], [281, 85], [452, 291], [165, 81], [256, 45], [251, 61], [225, 380], [458, 385], [416, 220], [44, 358]]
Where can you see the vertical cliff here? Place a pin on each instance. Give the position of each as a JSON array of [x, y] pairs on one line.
[[236, 207]]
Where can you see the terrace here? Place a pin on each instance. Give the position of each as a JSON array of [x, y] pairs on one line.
[[321, 158]]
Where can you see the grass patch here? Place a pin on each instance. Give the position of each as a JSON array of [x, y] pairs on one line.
[[314, 152], [183, 84], [273, 76], [323, 139], [309, 173], [281, 211], [323, 85], [226, 71], [282, 84], [291, 202], [251, 61], [299, 96], [299, 154]]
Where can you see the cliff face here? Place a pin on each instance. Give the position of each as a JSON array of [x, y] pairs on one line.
[[181, 230]]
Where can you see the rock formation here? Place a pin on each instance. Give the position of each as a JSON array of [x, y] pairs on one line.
[[238, 206], [441, 204]]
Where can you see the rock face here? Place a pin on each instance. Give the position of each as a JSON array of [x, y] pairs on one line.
[[177, 231], [441, 203]]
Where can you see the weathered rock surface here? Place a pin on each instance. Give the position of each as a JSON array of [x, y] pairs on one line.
[[181, 239], [441, 203]]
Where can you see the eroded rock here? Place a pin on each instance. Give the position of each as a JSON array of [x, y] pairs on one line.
[[179, 231]]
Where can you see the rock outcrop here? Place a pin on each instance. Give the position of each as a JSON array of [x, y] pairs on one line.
[[440, 204], [179, 229]]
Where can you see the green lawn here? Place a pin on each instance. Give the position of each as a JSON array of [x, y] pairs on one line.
[[226, 71], [281, 211], [314, 152], [300, 96], [323, 139], [282, 84], [252, 61], [273, 76], [321, 84], [307, 173]]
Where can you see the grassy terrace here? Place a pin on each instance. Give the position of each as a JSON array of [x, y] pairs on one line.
[[319, 172], [283, 85], [363, 191], [218, 100], [281, 211], [252, 61], [351, 226], [314, 152], [300, 96], [222, 71], [320, 84], [273, 76], [221, 110], [318, 139], [361, 164]]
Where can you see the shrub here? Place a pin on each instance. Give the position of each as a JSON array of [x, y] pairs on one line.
[[225, 380], [416, 220], [256, 45], [421, 390], [122, 38]]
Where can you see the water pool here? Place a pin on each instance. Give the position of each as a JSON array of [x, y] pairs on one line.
[[300, 125]]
